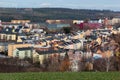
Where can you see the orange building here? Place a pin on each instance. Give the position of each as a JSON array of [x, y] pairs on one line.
[[12, 47]]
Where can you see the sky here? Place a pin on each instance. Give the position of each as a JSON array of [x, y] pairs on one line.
[[74, 4]]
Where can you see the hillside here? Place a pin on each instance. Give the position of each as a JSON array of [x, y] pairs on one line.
[[41, 14]]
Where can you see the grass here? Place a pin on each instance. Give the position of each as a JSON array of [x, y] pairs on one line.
[[61, 76]]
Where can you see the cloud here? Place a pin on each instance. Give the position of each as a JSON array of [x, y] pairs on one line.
[[46, 5]]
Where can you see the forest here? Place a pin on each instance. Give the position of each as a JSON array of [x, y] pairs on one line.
[[42, 14]]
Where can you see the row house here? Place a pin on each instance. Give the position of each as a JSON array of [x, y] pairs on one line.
[[40, 54], [8, 34]]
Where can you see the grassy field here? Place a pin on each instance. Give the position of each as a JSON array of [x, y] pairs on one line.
[[61, 76]]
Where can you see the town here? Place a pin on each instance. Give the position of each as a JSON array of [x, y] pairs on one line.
[[60, 45]]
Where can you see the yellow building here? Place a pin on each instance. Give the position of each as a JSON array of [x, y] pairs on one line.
[[8, 37], [12, 47], [115, 20], [20, 21], [11, 37]]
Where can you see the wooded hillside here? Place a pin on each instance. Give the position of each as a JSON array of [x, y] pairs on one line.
[[41, 14]]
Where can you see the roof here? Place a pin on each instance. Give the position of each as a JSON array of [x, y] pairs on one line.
[[21, 34], [7, 31], [9, 23], [73, 41], [23, 39], [17, 30], [25, 27], [5, 43], [20, 27], [24, 48], [90, 25], [50, 51]]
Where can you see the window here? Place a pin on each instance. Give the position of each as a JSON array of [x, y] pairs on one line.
[[4, 37], [37, 57], [26, 53], [10, 37], [17, 54]]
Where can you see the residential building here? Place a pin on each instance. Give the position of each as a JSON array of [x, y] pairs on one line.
[[12, 47], [39, 55], [22, 53], [4, 46], [115, 20], [8, 34]]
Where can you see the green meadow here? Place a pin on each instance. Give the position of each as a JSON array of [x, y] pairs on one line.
[[61, 76]]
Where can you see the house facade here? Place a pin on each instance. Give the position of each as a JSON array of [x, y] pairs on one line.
[[21, 53]]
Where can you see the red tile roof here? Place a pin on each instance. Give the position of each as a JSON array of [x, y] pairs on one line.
[[89, 25]]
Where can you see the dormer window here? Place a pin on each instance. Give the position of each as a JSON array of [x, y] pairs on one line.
[[7, 30]]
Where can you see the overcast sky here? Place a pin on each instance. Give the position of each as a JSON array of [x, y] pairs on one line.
[[75, 4]]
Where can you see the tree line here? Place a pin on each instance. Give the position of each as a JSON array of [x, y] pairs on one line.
[[41, 14]]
